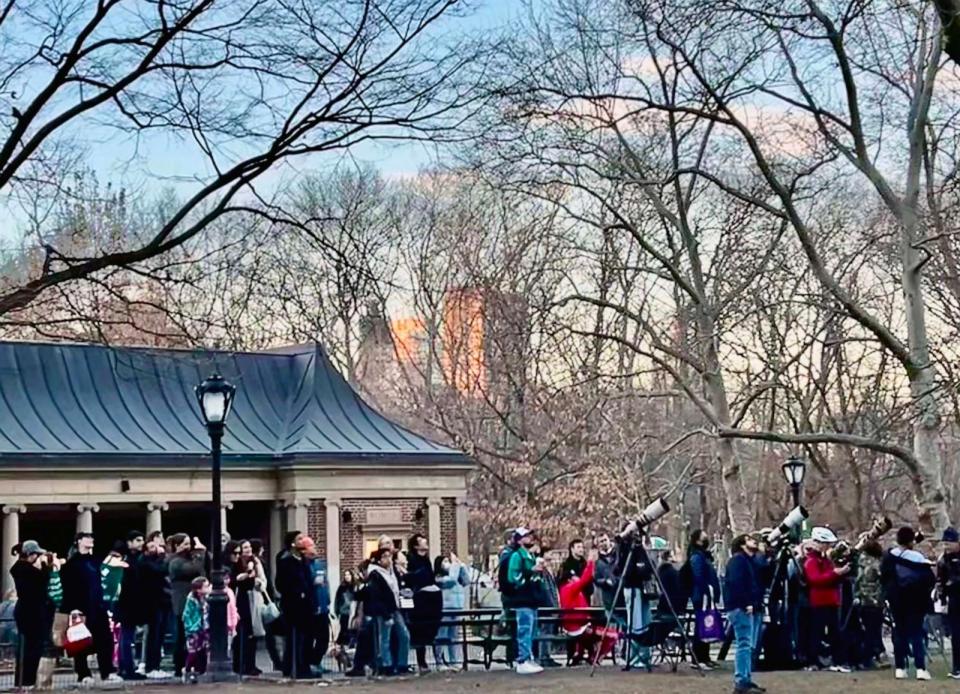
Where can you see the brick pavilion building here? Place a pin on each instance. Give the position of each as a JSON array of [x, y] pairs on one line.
[[110, 439]]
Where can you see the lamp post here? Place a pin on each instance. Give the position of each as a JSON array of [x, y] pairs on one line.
[[794, 470], [216, 396]]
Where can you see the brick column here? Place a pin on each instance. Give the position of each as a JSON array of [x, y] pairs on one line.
[[332, 504], [155, 511], [433, 525], [85, 517], [463, 528], [11, 537]]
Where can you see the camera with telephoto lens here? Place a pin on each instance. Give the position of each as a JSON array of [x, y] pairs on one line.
[[841, 554], [881, 526], [652, 513], [793, 520]]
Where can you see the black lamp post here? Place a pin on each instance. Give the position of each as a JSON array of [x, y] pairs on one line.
[[794, 470], [216, 396]]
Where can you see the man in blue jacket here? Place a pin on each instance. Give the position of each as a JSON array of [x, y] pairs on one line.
[[743, 598], [321, 622]]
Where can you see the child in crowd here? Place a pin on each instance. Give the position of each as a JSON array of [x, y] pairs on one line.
[[196, 627]]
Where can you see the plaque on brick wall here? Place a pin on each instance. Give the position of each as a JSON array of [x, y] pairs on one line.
[[384, 516]]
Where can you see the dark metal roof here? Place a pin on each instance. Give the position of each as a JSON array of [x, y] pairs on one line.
[[70, 401]]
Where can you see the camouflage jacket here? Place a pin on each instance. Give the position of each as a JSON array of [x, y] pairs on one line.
[[867, 587]]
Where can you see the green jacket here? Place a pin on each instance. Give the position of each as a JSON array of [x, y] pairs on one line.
[[110, 578], [55, 589], [194, 615], [525, 581], [521, 566]]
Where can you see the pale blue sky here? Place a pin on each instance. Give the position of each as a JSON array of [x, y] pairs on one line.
[[162, 159], [158, 161]]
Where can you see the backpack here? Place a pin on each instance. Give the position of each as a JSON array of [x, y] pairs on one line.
[[507, 587]]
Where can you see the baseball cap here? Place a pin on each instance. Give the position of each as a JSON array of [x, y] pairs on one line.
[[824, 535], [950, 535], [31, 547], [521, 533]]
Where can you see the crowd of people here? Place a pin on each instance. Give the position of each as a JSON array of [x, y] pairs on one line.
[[831, 598], [822, 602], [154, 590], [837, 596]]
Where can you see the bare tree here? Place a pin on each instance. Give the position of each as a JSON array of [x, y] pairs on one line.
[[247, 85]]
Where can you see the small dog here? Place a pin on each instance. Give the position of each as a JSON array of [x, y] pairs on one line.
[[343, 657]]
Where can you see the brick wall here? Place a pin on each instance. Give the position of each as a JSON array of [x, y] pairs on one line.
[[351, 537], [317, 526], [448, 526]]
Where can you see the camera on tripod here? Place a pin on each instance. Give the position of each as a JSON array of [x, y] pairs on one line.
[[793, 520], [656, 510]]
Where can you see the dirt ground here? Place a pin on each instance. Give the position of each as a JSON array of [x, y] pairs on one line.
[[608, 680]]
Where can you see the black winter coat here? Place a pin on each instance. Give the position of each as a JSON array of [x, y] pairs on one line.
[[154, 583], [31, 584], [82, 590], [639, 570], [419, 572], [295, 585], [131, 610], [378, 598]]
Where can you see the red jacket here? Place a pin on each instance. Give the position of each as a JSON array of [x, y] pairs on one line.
[[571, 596], [823, 581]]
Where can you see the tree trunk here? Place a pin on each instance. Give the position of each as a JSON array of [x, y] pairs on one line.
[[725, 450], [927, 419]]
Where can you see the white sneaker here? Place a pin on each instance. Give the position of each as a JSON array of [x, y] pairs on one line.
[[840, 668], [86, 682], [113, 677], [141, 668], [158, 675], [900, 674], [529, 668], [923, 675]]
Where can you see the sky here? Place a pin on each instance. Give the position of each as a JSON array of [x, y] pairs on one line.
[[153, 162], [166, 158]]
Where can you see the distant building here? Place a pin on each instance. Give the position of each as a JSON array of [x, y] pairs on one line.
[[481, 345], [110, 439]]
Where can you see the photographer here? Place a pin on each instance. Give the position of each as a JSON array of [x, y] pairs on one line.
[[868, 591], [34, 611], [948, 587], [908, 580], [743, 598], [604, 575], [519, 577], [823, 580], [635, 567]]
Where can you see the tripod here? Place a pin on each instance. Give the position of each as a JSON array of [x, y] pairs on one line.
[[635, 542], [778, 609]]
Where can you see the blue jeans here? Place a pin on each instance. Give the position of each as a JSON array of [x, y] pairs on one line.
[[746, 629], [392, 630], [125, 659], [526, 630], [638, 618]]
